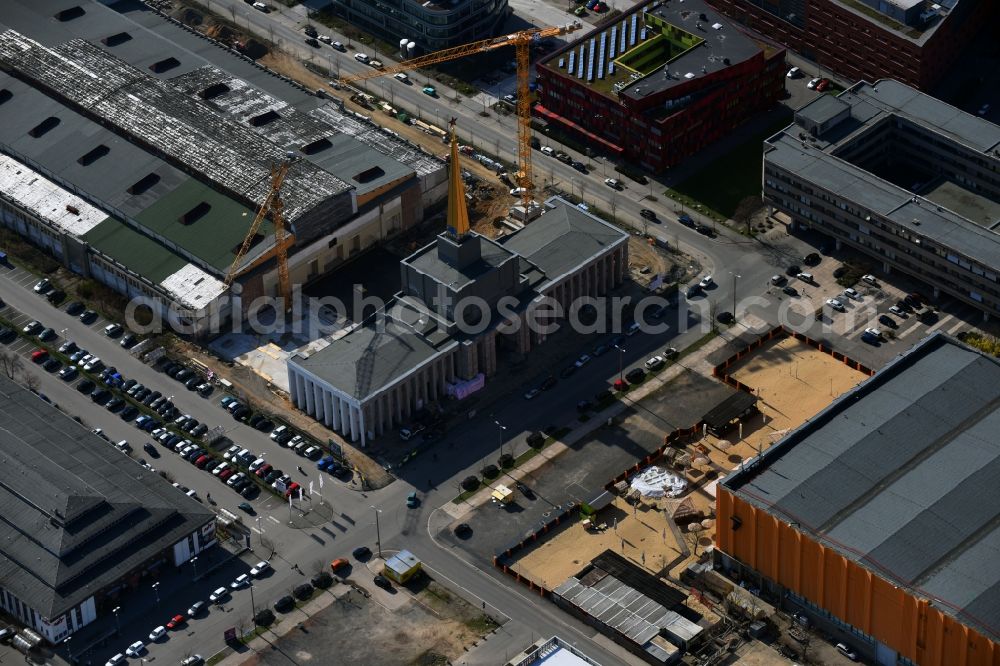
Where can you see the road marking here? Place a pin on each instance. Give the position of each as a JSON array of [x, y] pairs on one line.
[[909, 330], [941, 322], [256, 530], [274, 520], [959, 324]]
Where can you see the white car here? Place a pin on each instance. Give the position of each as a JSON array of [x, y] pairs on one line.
[[326, 39], [835, 304], [260, 6], [870, 279], [260, 568], [231, 451], [873, 332], [275, 434], [613, 183], [217, 596], [547, 150], [243, 580], [898, 311], [983, 110], [42, 286], [135, 649], [706, 282], [158, 633], [401, 77], [852, 293], [632, 329], [115, 660], [794, 73], [655, 362], [531, 394], [582, 361], [517, 191], [235, 478], [220, 469], [255, 465], [93, 364], [812, 84]]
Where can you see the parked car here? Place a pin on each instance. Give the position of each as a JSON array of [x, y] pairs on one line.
[[176, 622], [157, 633], [43, 286], [260, 568], [218, 595], [835, 304], [136, 649], [196, 608], [647, 213], [613, 183]]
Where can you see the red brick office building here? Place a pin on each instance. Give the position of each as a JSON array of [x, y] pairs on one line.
[[917, 45], [658, 83]]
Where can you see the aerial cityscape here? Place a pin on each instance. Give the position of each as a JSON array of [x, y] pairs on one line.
[[500, 332]]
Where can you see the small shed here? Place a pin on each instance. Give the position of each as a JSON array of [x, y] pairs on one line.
[[402, 566], [502, 494]]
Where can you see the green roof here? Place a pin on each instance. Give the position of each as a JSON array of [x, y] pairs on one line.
[[214, 237], [140, 254]]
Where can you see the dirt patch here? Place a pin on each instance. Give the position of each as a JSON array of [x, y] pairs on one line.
[[641, 534], [646, 260], [416, 633], [794, 381]]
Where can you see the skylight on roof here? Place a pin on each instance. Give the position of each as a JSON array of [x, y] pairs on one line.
[[214, 91], [264, 118], [94, 155], [116, 39], [165, 65], [316, 146], [5, 95], [368, 175], [195, 214], [44, 127], [144, 183], [70, 14]]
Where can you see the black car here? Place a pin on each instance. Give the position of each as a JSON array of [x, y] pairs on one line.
[[200, 430], [284, 604], [86, 386], [383, 582], [255, 420], [101, 396], [129, 413], [242, 413], [142, 394], [172, 372], [183, 375], [52, 365], [47, 334], [250, 491], [151, 450], [191, 425], [567, 371], [579, 166], [7, 335], [635, 375], [790, 290], [792, 270], [88, 317], [704, 230], [311, 31], [273, 475], [129, 383], [75, 308], [193, 382], [166, 366], [115, 404], [128, 341], [56, 296], [686, 220], [840, 272], [548, 383], [902, 305], [648, 214], [888, 321], [463, 530]]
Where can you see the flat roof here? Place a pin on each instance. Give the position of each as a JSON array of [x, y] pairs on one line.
[[816, 159], [633, 50], [562, 239], [910, 452], [77, 513], [492, 255]]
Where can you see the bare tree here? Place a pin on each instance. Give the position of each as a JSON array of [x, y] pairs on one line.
[[31, 381], [10, 363], [747, 209]]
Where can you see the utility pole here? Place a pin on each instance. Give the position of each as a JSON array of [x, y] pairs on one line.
[[378, 532], [621, 364], [500, 435]]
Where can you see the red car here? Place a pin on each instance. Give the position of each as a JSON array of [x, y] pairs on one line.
[[226, 473], [263, 470], [175, 622], [293, 488], [202, 461], [822, 85], [39, 356]]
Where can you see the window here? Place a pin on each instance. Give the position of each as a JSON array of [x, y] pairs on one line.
[[195, 214], [264, 118], [368, 175], [333, 241], [5, 96], [214, 91], [116, 39], [44, 126], [165, 65], [70, 14], [316, 146], [146, 182], [94, 155]]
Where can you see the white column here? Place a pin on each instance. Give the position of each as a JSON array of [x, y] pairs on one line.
[[300, 383], [335, 408], [293, 387], [327, 408], [345, 417], [355, 423], [310, 407], [318, 401]]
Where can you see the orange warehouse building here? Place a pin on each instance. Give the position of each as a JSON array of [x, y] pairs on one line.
[[880, 518]]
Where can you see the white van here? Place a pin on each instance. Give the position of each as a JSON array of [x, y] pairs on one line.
[[362, 57], [805, 277], [548, 150]]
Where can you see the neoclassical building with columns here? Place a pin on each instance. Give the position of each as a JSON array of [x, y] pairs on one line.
[[462, 296]]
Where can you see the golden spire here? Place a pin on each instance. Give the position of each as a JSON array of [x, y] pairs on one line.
[[458, 214]]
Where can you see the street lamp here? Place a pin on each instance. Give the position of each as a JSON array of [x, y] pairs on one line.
[[253, 606], [157, 591], [118, 628], [500, 435], [378, 532], [621, 364], [736, 276], [69, 648], [194, 563]]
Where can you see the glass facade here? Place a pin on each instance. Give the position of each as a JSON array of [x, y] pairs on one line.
[[431, 25]]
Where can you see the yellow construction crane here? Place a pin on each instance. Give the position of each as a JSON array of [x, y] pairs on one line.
[[272, 204], [521, 41]]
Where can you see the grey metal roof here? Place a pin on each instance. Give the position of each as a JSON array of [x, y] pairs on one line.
[[492, 255], [75, 514], [370, 358], [563, 239], [900, 475], [822, 109]]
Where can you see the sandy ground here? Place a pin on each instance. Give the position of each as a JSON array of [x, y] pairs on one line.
[[795, 381], [642, 535]]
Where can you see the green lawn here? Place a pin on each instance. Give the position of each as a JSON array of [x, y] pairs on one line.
[[722, 184]]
